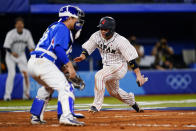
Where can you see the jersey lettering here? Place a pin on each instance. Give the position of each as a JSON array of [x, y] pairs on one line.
[[19, 41], [113, 51], [106, 48]]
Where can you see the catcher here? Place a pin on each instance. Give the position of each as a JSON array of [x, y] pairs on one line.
[[56, 45], [76, 83]]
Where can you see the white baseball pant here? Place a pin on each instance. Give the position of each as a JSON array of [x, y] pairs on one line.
[[11, 62], [48, 72]]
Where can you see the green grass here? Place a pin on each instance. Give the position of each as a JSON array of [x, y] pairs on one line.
[[165, 97], [15, 103], [173, 105], [112, 100]]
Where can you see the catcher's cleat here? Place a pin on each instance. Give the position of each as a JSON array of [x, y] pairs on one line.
[[69, 120], [137, 108], [35, 120], [78, 115], [92, 109]]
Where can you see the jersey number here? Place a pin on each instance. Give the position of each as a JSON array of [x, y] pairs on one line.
[[44, 37]]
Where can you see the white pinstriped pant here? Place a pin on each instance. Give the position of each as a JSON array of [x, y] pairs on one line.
[[109, 77]]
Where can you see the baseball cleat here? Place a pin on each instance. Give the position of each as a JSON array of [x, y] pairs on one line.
[[92, 109], [35, 120], [78, 115], [7, 99], [137, 108], [75, 115], [69, 120]]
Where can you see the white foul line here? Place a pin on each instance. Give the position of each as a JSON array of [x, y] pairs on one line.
[[50, 107]]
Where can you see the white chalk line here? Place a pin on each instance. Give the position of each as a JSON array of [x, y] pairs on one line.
[[49, 107], [148, 125], [105, 124], [187, 113], [190, 126], [142, 115], [124, 124]]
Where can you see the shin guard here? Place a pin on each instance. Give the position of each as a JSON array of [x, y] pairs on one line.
[[37, 107]]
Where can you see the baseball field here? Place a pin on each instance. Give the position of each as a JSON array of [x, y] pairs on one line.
[[162, 112]]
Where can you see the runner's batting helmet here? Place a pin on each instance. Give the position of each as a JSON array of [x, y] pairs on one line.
[[109, 23]]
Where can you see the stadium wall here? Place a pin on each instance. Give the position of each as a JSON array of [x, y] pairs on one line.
[[160, 82]]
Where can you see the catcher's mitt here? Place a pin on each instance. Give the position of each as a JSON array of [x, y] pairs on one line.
[[77, 82]]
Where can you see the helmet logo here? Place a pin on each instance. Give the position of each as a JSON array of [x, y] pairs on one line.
[[103, 22]]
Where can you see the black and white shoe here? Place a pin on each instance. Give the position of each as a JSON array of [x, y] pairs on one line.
[[137, 108], [92, 109]]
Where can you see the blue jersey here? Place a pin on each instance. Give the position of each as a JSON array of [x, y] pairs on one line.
[[57, 34]]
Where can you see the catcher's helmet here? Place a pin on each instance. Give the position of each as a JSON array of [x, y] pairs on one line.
[[72, 11], [109, 23]]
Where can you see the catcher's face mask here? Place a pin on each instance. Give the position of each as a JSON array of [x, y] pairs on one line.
[[72, 11]]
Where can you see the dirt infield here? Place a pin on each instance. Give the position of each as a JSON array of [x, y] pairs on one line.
[[105, 120]]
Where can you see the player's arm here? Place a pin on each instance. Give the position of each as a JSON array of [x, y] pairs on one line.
[[140, 78], [82, 57], [12, 53], [8, 50], [130, 54], [87, 48], [63, 58], [61, 40], [7, 44]]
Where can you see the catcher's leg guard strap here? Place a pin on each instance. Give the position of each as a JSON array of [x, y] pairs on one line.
[[59, 110], [37, 106], [71, 107]]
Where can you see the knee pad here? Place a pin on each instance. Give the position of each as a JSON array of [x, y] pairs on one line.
[[42, 93], [37, 107]]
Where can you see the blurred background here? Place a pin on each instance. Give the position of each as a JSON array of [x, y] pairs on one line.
[[150, 25]]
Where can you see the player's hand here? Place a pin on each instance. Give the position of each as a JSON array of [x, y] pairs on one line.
[[15, 54], [141, 80], [71, 70], [80, 58], [72, 74], [64, 69]]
